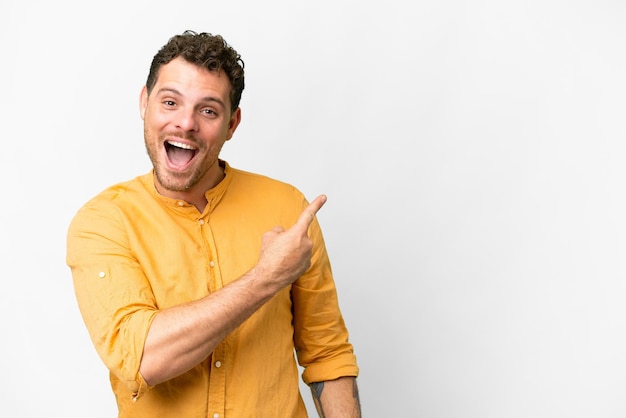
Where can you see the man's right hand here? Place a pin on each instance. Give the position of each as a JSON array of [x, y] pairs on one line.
[[286, 254]]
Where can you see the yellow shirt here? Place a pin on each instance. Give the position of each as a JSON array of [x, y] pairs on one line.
[[133, 252]]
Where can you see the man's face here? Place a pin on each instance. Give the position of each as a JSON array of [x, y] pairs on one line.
[[187, 118]]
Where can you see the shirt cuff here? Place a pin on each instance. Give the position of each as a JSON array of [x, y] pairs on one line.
[[138, 387]]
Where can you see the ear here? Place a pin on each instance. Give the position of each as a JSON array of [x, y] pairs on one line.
[[235, 118], [143, 102]]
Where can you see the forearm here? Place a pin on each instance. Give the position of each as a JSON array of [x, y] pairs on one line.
[[181, 337], [337, 398]]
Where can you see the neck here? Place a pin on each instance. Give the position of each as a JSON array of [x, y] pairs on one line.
[[195, 195]]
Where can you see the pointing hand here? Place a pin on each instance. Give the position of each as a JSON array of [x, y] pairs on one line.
[[286, 254]]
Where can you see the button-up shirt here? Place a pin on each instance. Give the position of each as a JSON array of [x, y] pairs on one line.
[[133, 252]]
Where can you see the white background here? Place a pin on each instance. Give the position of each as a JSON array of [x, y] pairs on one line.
[[472, 152]]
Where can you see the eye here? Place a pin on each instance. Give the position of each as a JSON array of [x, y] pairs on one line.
[[169, 103], [208, 112]]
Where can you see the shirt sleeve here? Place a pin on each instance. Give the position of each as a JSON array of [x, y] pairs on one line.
[[113, 294], [320, 334]]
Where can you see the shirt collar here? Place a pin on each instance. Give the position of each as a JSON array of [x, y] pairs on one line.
[[213, 196]]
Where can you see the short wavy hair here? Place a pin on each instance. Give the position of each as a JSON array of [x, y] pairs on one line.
[[204, 50]]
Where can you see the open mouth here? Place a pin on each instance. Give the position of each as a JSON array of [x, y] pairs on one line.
[[179, 154]]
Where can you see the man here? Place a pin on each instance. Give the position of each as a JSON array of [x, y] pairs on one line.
[[194, 293]]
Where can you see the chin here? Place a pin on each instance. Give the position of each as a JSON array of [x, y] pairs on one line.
[[174, 182]]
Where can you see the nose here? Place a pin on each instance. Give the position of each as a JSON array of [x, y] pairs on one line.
[[186, 120]]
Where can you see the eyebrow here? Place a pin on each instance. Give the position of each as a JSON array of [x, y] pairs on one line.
[[204, 99]]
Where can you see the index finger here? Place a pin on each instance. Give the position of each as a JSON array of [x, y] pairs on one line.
[[308, 214]]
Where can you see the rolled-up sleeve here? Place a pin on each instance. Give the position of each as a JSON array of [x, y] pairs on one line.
[[113, 294], [320, 334]]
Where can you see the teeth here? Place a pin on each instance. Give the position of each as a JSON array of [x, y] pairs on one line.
[[180, 145]]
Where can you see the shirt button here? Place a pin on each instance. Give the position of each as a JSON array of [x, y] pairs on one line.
[[201, 221], [101, 274], [212, 263], [218, 364], [181, 203], [216, 415]]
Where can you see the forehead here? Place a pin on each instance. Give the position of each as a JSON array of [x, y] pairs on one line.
[[191, 80]]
